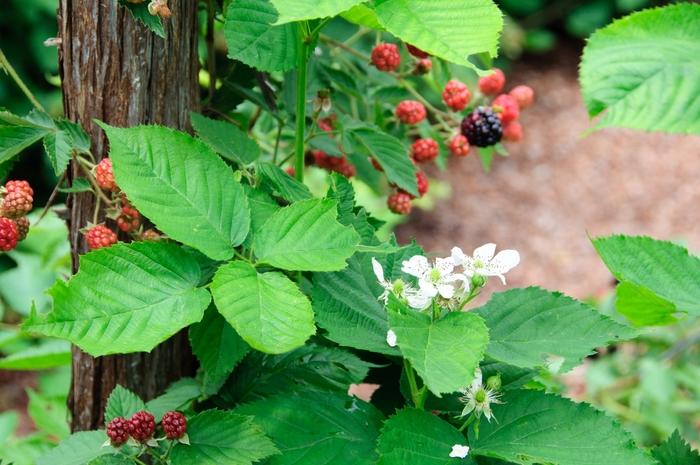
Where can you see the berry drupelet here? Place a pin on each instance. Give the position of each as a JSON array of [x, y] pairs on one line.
[[482, 127]]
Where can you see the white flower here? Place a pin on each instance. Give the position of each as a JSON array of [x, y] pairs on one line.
[[414, 297], [483, 263], [391, 338], [478, 399], [439, 279], [459, 451]]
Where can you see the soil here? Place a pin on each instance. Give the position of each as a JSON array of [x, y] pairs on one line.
[[558, 187]]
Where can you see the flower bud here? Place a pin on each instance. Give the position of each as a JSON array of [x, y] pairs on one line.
[[478, 281], [494, 382]]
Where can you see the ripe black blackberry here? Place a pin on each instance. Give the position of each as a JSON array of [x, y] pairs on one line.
[[482, 127]]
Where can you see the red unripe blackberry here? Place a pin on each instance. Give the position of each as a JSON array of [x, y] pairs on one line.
[[129, 220], [16, 199], [422, 181], [425, 150], [151, 235], [482, 127], [346, 168], [376, 164], [422, 66], [338, 164], [22, 228], [100, 236], [118, 431], [386, 57], [174, 425], [400, 203], [142, 425], [8, 234], [290, 170], [456, 95], [493, 83], [326, 124], [459, 146], [524, 95], [410, 112], [506, 107], [104, 175], [23, 186], [513, 132], [416, 52]]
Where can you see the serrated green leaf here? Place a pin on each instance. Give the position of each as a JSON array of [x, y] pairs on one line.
[[277, 182], [534, 427], [330, 429], [268, 310], [61, 144], [49, 415], [306, 236], [449, 29], [445, 353], [48, 354], [162, 298], [226, 139], [362, 15], [218, 348], [528, 326], [309, 367], [17, 133], [675, 451], [661, 277], [77, 449], [122, 403], [252, 38], [141, 13], [177, 395], [301, 10], [217, 437], [416, 437], [643, 71], [391, 154], [181, 185]]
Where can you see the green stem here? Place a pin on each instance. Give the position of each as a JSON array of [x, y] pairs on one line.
[[4, 63], [417, 395], [468, 422], [302, 64]]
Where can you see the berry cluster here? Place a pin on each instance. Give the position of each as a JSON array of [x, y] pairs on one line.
[[127, 218], [142, 427], [16, 201]]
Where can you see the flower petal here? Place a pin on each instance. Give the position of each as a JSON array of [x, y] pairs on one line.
[[427, 288], [417, 299], [458, 256], [459, 451], [446, 290], [378, 271], [485, 252], [416, 266], [503, 262], [445, 265], [391, 338]]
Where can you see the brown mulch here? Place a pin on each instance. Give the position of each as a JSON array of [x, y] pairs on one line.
[[558, 187]]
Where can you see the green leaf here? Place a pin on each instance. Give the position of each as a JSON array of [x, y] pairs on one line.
[[49, 415], [178, 395], [181, 185], [226, 139], [262, 206], [61, 144], [446, 352], [218, 437], [330, 429], [48, 354], [151, 295], [309, 367], [643, 71], [252, 38], [675, 451], [140, 12], [122, 403], [658, 275], [305, 236], [302, 10], [416, 437], [534, 427], [528, 326], [218, 348], [17, 133], [77, 449], [267, 310], [449, 29], [391, 154], [362, 15], [280, 183]]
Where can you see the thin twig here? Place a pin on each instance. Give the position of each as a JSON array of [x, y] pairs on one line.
[[211, 51], [5, 64], [52, 197]]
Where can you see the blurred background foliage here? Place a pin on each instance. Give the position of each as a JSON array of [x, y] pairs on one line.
[[652, 385]]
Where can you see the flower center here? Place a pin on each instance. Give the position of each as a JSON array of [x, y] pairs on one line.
[[398, 287], [480, 396], [435, 275], [478, 264]]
